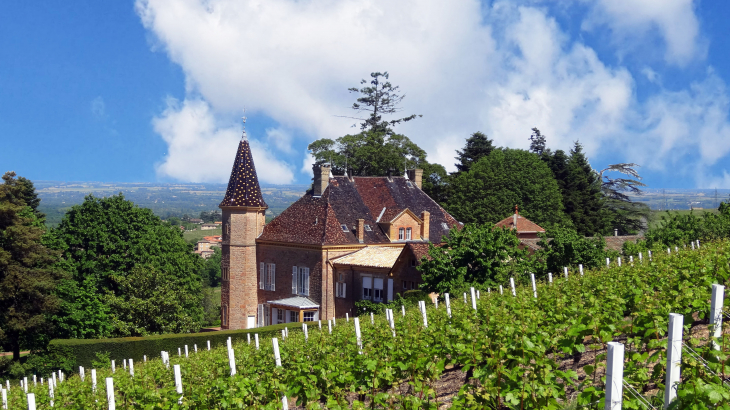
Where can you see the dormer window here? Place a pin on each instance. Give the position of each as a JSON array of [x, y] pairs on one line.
[[367, 228], [344, 228], [445, 226], [401, 233], [408, 234]]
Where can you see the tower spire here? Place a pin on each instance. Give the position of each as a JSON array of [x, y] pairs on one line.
[[244, 136]]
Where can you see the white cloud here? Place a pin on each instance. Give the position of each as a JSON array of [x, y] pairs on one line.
[[719, 182], [500, 68], [199, 150], [674, 21], [98, 108]]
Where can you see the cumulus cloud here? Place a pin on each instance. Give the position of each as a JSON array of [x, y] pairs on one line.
[[501, 68], [674, 21], [199, 150]]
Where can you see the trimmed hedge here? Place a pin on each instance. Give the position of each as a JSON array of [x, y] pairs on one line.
[[83, 351]]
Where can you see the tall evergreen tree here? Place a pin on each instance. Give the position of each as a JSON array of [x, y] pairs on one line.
[[28, 278], [477, 146], [582, 195]]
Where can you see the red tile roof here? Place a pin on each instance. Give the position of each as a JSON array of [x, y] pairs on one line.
[[523, 224], [243, 185], [319, 220]]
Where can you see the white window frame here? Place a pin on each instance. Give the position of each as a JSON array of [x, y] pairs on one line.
[[270, 283], [293, 314], [294, 275], [280, 315], [262, 274], [409, 233], [378, 291], [303, 281], [401, 232], [367, 291], [311, 312]]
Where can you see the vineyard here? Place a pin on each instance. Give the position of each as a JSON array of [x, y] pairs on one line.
[[539, 349]]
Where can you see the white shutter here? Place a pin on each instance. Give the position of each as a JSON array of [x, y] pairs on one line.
[[367, 283], [261, 316], [294, 280], [378, 283], [262, 272], [274, 317], [273, 276], [344, 290], [390, 290], [306, 281]]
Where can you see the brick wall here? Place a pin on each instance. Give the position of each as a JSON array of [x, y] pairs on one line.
[[403, 270], [405, 221]]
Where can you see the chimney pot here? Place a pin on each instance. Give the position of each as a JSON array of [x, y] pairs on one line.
[[361, 230], [426, 218], [416, 177], [615, 232]]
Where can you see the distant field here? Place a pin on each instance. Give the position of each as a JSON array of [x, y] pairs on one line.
[[656, 216], [194, 236]]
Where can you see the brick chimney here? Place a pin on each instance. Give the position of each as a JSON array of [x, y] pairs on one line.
[[416, 176], [361, 230], [426, 218], [321, 178]]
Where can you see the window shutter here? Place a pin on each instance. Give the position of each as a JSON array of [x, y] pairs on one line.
[[262, 273], [344, 289], [294, 280], [378, 283], [261, 315], [306, 281], [273, 276]]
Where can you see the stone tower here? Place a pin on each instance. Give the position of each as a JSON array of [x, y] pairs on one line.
[[243, 220]]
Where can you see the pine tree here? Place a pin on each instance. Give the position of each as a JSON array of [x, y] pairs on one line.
[[28, 278], [477, 146]]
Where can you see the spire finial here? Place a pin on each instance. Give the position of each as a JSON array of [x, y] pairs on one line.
[[244, 136]]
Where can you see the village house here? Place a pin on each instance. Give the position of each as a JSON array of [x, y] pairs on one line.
[[350, 238], [205, 246]]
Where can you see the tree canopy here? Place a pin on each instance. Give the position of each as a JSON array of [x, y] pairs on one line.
[[489, 191], [107, 241], [476, 147], [28, 278], [477, 255], [378, 99]]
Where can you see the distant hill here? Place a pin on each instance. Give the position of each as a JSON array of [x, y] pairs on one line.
[[165, 200]]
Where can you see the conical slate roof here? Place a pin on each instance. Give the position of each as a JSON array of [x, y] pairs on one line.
[[243, 186]]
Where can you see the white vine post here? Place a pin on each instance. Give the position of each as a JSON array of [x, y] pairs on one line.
[[256, 340], [195, 348], [391, 321], [550, 277], [423, 311], [641, 257], [608, 262], [131, 367], [283, 334], [334, 321], [372, 320], [614, 376], [25, 385], [35, 379], [448, 304], [124, 364], [669, 251], [5, 398], [329, 324], [320, 324], [534, 288], [186, 351], [465, 298], [231, 359], [512, 285], [631, 259], [674, 357], [565, 271], [676, 249], [31, 401], [179, 352], [50, 391], [347, 317], [277, 358], [110, 393], [357, 335], [306, 333], [403, 310], [698, 244], [501, 292], [437, 301], [619, 261], [248, 339], [145, 358], [113, 370], [718, 295], [693, 245], [580, 269], [247, 334], [178, 382], [54, 379], [473, 300], [93, 380], [649, 255]]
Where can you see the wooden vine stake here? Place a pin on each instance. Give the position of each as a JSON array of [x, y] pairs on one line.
[[674, 357], [178, 382], [534, 288], [718, 295], [614, 376], [512, 285], [473, 299], [448, 304], [110, 393]]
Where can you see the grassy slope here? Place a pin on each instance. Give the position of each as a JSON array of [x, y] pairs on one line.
[[196, 235]]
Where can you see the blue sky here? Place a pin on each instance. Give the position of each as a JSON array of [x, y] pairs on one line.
[[153, 90]]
